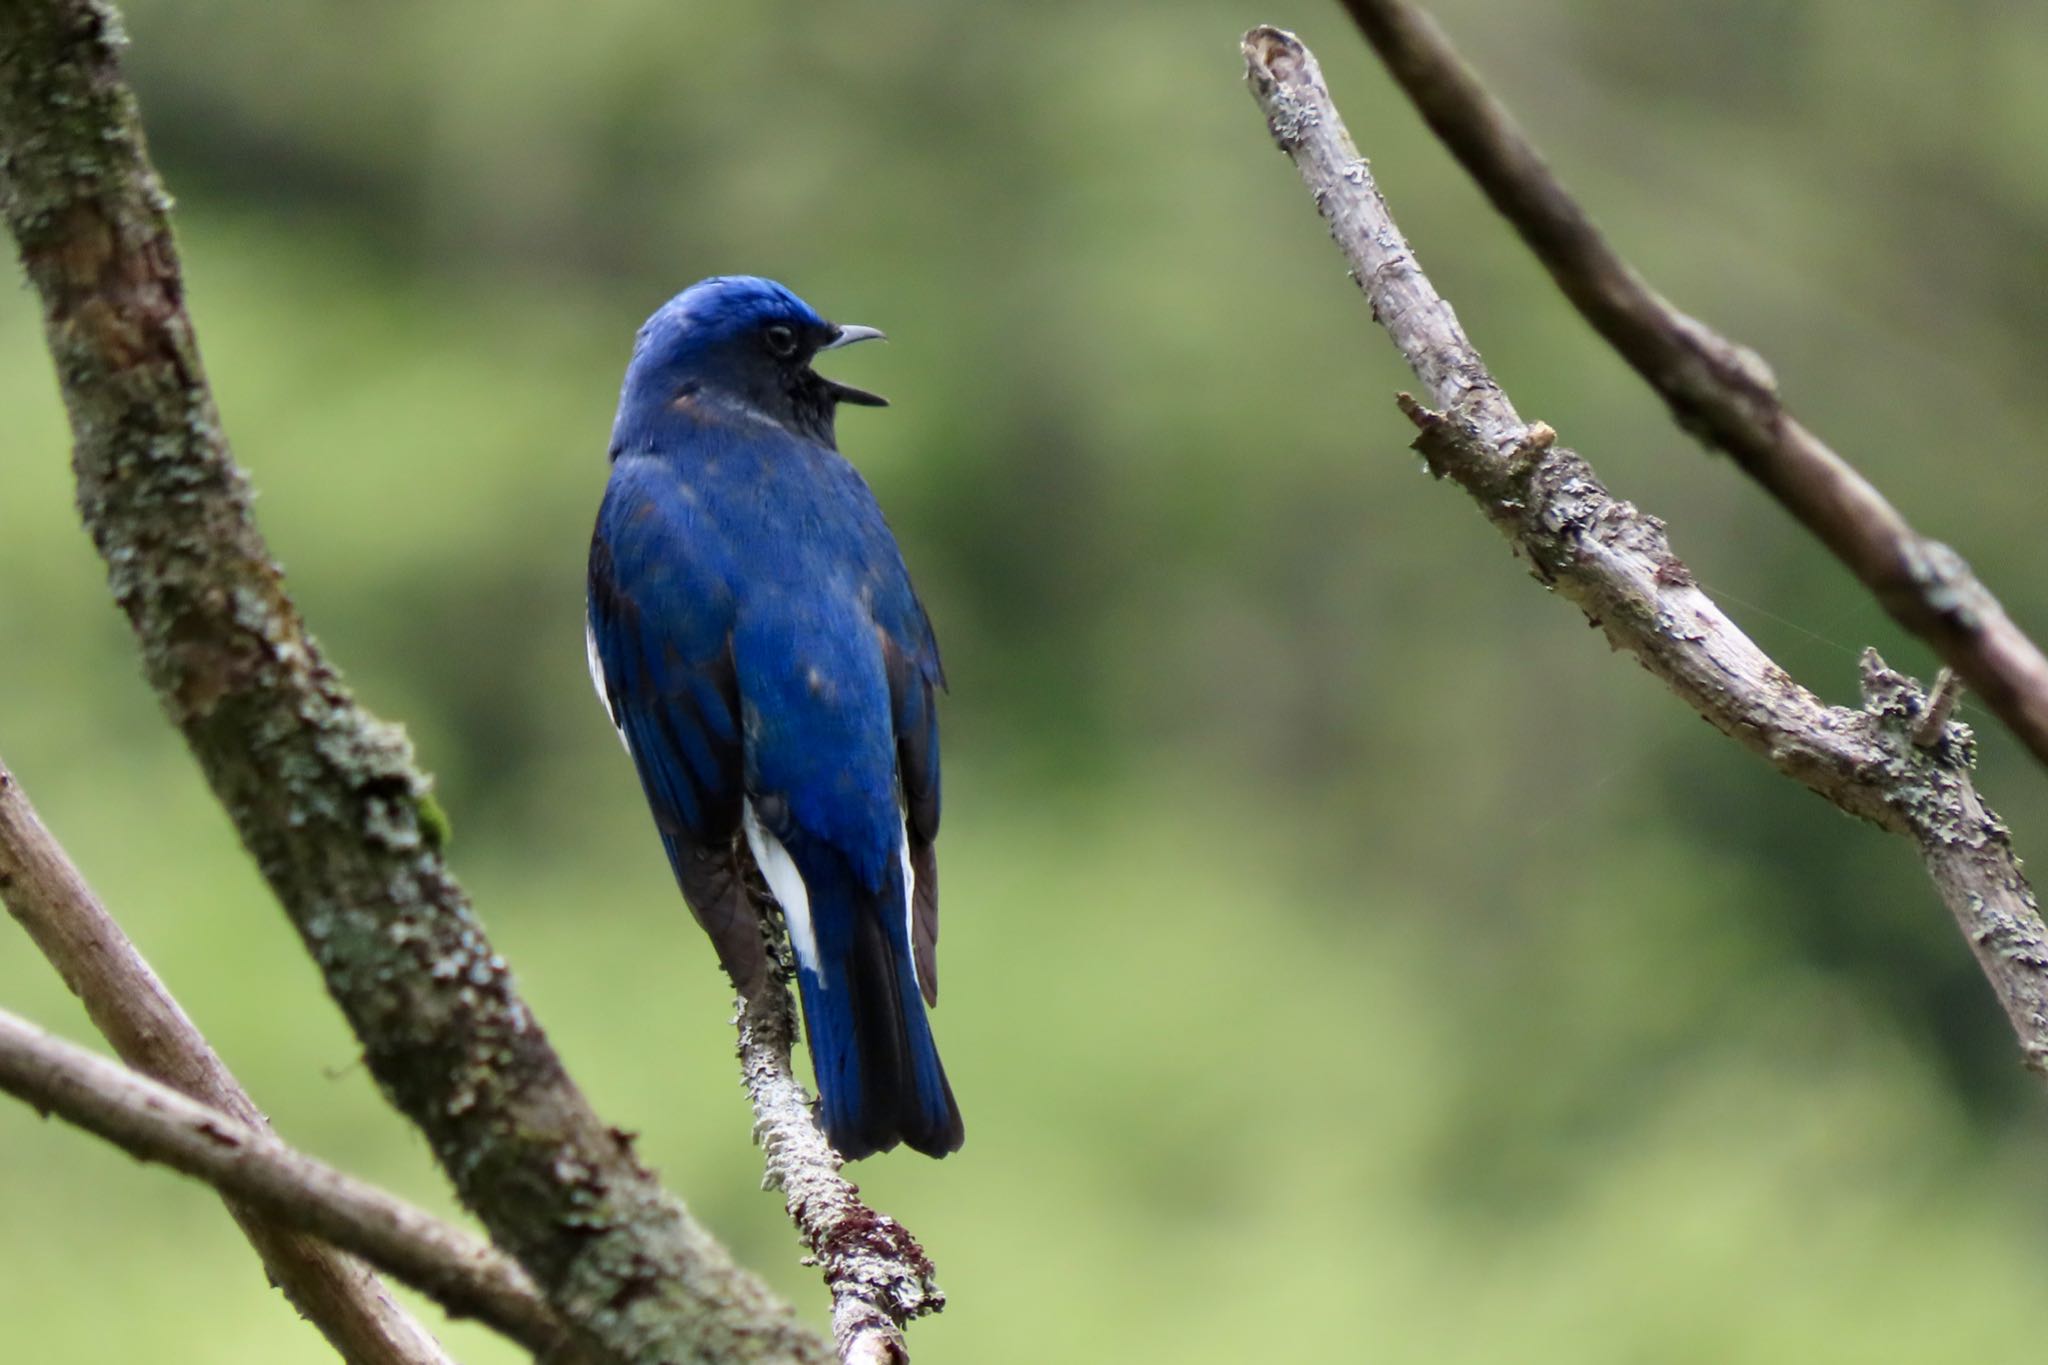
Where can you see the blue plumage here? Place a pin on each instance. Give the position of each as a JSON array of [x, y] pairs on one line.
[[755, 637]]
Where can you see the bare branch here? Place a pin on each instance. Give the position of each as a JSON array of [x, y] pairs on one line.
[[153, 1122], [1614, 562], [326, 797], [137, 1015], [1932, 727], [879, 1276], [1721, 392]]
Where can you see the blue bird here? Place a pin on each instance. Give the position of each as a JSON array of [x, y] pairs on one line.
[[755, 638]]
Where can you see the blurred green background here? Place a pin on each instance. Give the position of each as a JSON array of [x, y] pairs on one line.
[[1346, 956]]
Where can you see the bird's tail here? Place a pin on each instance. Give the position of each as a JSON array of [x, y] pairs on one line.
[[877, 1066]]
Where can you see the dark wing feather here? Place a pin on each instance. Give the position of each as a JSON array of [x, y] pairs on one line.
[[665, 655], [917, 766]]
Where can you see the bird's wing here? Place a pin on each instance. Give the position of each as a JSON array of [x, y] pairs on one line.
[[911, 658], [661, 654]]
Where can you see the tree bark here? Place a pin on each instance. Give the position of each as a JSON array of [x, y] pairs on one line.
[[1722, 393], [138, 1016], [325, 796], [251, 1166], [879, 1276], [1615, 563]]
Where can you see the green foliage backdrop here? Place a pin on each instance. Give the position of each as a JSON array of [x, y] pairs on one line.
[[1346, 957]]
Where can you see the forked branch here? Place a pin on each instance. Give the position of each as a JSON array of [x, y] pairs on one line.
[[133, 1011], [325, 796], [1616, 565], [1721, 392], [250, 1165]]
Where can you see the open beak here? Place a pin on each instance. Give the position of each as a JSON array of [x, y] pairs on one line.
[[846, 393], [851, 333]]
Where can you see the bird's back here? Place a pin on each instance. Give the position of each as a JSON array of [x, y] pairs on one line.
[[756, 637]]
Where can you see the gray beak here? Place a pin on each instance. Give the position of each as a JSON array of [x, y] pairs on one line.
[[851, 333], [846, 393]]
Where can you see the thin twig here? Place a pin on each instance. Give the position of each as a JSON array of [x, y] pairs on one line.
[[1941, 703], [153, 1122], [136, 1014], [1720, 391], [1615, 563], [879, 1276], [325, 796]]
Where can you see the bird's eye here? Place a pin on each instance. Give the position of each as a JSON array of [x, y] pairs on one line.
[[781, 340]]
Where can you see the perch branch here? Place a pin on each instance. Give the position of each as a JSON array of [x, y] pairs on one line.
[[247, 1163], [326, 797], [135, 1013], [1941, 704], [879, 1276], [1616, 565], [1721, 392]]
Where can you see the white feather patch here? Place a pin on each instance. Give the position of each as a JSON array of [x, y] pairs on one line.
[[788, 885], [604, 696], [909, 884]]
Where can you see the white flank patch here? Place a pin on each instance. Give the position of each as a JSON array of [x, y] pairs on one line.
[[788, 885], [604, 698], [909, 884]]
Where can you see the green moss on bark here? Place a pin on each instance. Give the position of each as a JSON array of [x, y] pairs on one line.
[[326, 797]]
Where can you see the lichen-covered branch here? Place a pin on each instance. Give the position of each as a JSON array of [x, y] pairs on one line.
[[153, 1122], [1721, 392], [326, 797], [1616, 565], [879, 1276], [135, 1013]]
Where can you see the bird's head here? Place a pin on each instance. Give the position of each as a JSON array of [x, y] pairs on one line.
[[740, 343]]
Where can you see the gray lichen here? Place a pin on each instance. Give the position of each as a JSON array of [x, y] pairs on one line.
[[1885, 763], [326, 797]]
